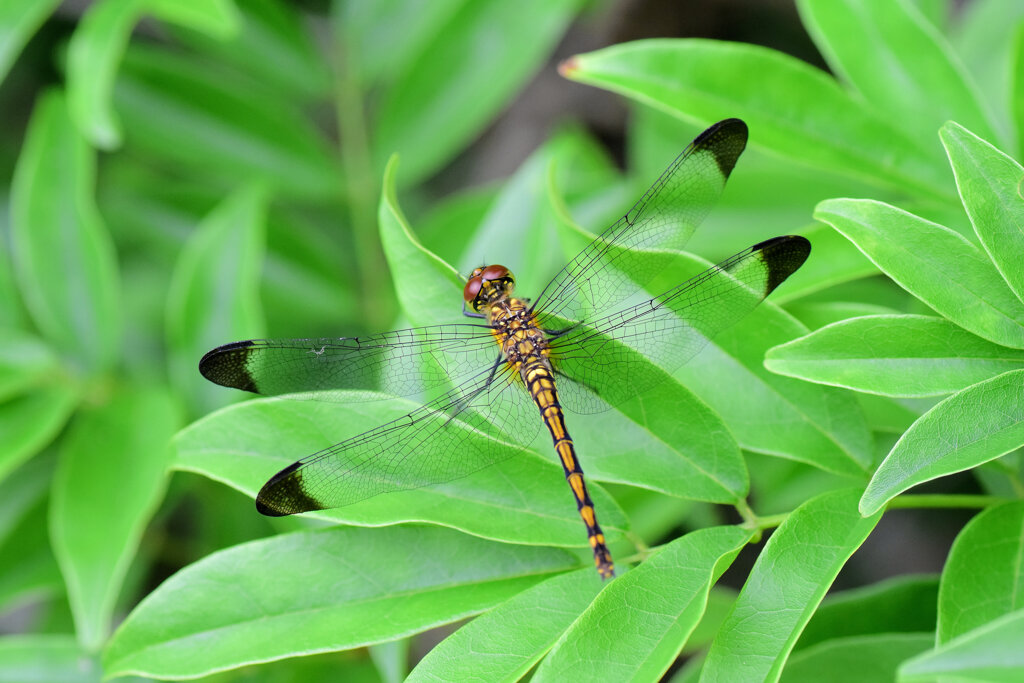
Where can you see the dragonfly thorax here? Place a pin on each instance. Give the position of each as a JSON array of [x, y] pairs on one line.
[[488, 285]]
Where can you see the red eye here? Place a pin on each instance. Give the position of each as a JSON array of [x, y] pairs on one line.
[[494, 272], [472, 289]]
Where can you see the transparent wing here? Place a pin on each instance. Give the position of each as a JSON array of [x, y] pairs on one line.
[[485, 420], [601, 357], [400, 363], [613, 266]]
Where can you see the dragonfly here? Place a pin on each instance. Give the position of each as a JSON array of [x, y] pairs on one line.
[[518, 363]]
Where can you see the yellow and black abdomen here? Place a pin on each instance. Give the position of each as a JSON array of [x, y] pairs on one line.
[[540, 382]]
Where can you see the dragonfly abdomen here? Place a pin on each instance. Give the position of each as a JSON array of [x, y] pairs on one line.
[[540, 382]]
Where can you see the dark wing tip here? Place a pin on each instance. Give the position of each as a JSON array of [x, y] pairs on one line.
[[285, 494], [226, 365], [782, 256], [726, 140]]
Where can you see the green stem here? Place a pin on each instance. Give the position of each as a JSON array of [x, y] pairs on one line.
[[361, 189], [944, 500]]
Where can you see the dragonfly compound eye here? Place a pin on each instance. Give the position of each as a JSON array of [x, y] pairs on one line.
[[472, 288]]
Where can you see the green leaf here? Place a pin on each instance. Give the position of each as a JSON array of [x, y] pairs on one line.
[[268, 44], [789, 579], [821, 426], [94, 54], [25, 361], [23, 489], [386, 38], [870, 658], [31, 421], [217, 18], [318, 591], [45, 659], [935, 264], [470, 69], [904, 604], [899, 63], [96, 519], [991, 652], [971, 427], [636, 627], [19, 20], [665, 439], [984, 35], [179, 111], [793, 109], [816, 315], [507, 641], [990, 188], [28, 570], [214, 291], [983, 578], [521, 500], [429, 289], [894, 355], [63, 256], [1017, 86]]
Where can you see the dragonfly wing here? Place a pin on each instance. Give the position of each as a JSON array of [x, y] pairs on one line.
[[485, 420], [670, 329], [614, 265], [399, 363]]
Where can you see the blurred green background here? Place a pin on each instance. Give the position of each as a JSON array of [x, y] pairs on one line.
[[178, 175]]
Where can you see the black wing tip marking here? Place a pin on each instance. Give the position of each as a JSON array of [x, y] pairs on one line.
[[782, 256], [726, 140], [226, 365], [285, 494]]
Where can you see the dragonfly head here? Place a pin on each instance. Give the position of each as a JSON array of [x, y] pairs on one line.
[[487, 285]]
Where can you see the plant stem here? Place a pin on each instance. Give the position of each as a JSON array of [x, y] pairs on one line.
[[361, 189]]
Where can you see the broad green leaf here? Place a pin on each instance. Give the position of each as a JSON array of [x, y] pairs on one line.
[[386, 38], [991, 652], [318, 591], [218, 18], [983, 35], [214, 291], [767, 413], [972, 426], [31, 421], [63, 256], [28, 571], [25, 361], [983, 578], [792, 109], [268, 44], [470, 69], [19, 20], [94, 54], [96, 519], [904, 604], [665, 439], [1017, 88], [505, 643], [789, 579], [635, 629], [870, 658], [22, 490], [990, 188], [178, 111], [899, 63], [429, 290], [45, 659], [815, 315], [521, 500], [894, 355], [935, 264]]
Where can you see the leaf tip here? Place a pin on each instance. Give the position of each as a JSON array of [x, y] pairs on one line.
[[568, 68]]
